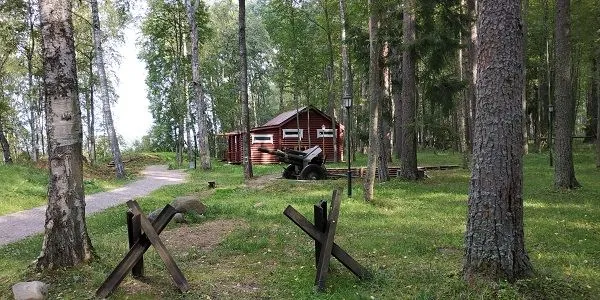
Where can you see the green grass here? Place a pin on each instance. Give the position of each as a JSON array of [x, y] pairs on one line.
[[25, 185], [410, 237]]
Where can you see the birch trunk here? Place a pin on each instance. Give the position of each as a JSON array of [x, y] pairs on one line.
[[374, 100], [104, 96], [564, 122], [408, 161], [5, 145], [31, 97], [494, 240], [197, 92], [66, 241]]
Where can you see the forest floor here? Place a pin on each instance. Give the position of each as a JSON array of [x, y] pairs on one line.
[[410, 237]]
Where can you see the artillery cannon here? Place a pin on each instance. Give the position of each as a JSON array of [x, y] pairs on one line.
[[306, 165]]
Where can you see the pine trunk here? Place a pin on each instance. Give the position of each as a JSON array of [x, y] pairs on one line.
[[494, 241], [104, 95], [346, 71], [331, 105], [524, 10], [408, 161], [597, 83], [396, 82], [247, 159], [66, 241], [591, 106], [374, 100], [564, 122]]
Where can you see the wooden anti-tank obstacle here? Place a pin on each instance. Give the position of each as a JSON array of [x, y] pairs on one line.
[[323, 233], [139, 243]]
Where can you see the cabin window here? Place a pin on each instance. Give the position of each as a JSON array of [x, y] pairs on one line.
[[325, 133], [262, 139], [293, 133]]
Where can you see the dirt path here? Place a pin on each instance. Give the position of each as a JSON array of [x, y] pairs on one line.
[[17, 226]]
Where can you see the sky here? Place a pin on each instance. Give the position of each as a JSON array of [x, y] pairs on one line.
[[131, 115]]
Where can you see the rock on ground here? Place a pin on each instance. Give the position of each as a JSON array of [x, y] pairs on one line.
[[33, 290], [187, 204]]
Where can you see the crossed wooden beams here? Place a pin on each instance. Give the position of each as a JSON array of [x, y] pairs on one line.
[[323, 233], [133, 260]]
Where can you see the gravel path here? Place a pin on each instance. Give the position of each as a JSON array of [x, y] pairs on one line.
[[17, 226]]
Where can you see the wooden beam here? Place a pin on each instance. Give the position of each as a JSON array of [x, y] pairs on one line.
[[134, 231], [327, 243], [336, 251], [320, 218], [152, 235], [134, 254]]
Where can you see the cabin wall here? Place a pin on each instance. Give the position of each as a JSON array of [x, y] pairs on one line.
[[309, 139]]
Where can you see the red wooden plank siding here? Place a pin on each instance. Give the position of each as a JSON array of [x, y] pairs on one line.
[[317, 120]]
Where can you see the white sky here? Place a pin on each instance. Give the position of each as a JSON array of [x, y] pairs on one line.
[[131, 115]]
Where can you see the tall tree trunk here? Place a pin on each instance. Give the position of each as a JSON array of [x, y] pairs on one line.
[[66, 241], [597, 83], [494, 241], [330, 79], [197, 92], [591, 106], [469, 68], [524, 10], [31, 98], [396, 81], [4, 144], [247, 160], [346, 69], [104, 95], [564, 171], [408, 161], [91, 118], [460, 118], [374, 99]]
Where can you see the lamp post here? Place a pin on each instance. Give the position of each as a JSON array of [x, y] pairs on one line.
[[347, 102], [551, 125]]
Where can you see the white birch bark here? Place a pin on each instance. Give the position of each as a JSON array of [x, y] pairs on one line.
[[197, 93], [104, 96], [66, 242]]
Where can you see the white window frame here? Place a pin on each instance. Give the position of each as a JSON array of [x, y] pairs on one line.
[[260, 141], [325, 133], [292, 133]]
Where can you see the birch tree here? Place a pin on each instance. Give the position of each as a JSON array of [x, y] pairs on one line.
[[104, 91], [66, 241], [197, 92]]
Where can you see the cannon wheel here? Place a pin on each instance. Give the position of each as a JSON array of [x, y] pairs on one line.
[[313, 172], [289, 172]]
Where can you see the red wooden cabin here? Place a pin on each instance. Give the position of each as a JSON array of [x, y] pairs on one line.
[[289, 130]]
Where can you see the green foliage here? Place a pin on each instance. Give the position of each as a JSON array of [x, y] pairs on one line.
[[165, 48], [410, 237]]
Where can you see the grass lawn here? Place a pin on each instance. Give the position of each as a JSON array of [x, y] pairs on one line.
[[410, 237], [25, 186]]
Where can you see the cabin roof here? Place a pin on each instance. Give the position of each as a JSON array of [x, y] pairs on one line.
[[283, 117]]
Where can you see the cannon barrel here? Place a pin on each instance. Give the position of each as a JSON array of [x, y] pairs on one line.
[[284, 156]]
